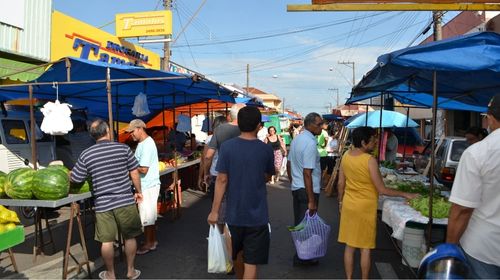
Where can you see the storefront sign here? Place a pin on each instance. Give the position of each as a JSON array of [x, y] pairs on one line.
[[71, 37], [158, 23]]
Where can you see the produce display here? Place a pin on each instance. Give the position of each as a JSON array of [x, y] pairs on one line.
[[440, 206], [19, 183], [410, 186], [388, 164], [3, 177], [50, 184], [8, 219]]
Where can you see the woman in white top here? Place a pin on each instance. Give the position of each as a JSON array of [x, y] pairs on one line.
[[332, 146]]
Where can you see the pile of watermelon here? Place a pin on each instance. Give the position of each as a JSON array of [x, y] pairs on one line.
[[50, 183]]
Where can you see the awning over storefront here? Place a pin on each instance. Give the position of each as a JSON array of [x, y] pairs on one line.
[[16, 70]]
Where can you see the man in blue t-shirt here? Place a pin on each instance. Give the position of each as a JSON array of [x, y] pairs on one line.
[[245, 164]]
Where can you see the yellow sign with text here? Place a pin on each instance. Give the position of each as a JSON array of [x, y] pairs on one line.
[[71, 37], [158, 23]]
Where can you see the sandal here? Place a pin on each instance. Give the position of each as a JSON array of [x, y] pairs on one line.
[[103, 274], [137, 274], [143, 251]]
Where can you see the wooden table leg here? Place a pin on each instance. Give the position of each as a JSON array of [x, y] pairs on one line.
[[83, 243], [68, 242], [13, 260], [75, 213]]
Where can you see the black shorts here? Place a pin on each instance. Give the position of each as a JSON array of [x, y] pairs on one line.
[[330, 163], [254, 241], [323, 162]]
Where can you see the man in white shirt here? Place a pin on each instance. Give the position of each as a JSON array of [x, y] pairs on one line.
[[474, 219]]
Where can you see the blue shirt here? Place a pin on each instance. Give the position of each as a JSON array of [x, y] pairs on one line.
[[304, 155], [246, 162], [147, 156]]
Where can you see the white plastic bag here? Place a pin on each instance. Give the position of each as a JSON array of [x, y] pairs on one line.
[[216, 251], [283, 166], [56, 118], [140, 107]]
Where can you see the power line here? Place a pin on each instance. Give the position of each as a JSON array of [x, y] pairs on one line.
[[274, 34]]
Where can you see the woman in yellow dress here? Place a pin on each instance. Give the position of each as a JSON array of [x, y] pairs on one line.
[[359, 186]]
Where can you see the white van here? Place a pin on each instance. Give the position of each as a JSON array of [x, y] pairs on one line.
[[15, 141]]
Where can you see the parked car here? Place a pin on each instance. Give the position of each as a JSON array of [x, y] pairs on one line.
[[447, 157]]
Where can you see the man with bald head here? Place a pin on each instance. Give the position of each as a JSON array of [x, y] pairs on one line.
[[112, 166]]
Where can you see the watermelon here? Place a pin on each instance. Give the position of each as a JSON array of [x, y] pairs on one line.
[[84, 187], [3, 176], [60, 167], [19, 183], [50, 184]]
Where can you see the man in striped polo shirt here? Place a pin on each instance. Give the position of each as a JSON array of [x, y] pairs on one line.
[[111, 165]]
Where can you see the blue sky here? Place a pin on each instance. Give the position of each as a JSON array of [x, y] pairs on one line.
[[294, 55]]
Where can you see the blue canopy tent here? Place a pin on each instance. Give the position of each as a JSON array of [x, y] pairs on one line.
[[419, 100], [84, 85], [467, 69], [109, 90], [332, 117], [464, 68]]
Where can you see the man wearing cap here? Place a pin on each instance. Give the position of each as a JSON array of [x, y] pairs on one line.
[[147, 156], [111, 165], [474, 219]]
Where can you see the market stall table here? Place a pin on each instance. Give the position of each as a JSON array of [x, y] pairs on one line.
[[396, 213], [177, 189], [72, 199]]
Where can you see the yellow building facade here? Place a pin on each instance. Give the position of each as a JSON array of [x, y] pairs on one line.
[[71, 37]]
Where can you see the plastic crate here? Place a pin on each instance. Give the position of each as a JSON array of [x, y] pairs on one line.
[[11, 238]]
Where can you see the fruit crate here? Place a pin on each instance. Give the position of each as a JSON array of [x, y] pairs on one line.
[[11, 238]]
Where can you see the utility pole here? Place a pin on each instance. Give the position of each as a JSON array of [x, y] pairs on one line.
[[248, 76], [166, 45], [337, 90], [346, 63]]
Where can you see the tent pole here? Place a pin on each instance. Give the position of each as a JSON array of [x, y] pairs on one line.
[[433, 157], [110, 103], [175, 174], [381, 136], [406, 132], [117, 108], [208, 119], [68, 69], [32, 129], [366, 118], [164, 123]]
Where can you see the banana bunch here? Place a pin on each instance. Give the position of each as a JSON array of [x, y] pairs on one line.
[[8, 219]]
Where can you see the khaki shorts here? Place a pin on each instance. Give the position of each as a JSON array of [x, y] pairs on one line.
[[148, 208], [126, 219]]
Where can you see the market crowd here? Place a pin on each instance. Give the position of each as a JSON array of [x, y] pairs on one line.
[[242, 156]]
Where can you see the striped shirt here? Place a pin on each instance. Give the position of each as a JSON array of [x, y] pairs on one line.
[[108, 164]]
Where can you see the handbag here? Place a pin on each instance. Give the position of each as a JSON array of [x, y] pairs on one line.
[[310, 237]]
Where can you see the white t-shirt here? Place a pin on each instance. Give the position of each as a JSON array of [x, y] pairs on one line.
[[477, 185], [332, 147]]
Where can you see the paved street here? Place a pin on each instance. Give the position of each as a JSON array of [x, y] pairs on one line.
[[182, 250]]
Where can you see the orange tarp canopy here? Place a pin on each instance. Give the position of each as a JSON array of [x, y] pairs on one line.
[[188, 110]]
